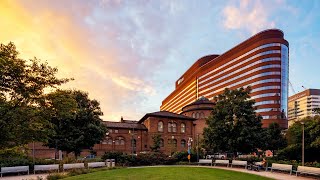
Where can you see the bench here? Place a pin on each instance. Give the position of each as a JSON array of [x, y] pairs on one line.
[[258, 165], [96, 164], [205, 161], [72, 166], [225, 162], [281, 167], [14, 169], [308, 170], [48, 167], [239, 163]]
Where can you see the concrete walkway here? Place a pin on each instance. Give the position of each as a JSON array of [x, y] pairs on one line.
[[25, 177]]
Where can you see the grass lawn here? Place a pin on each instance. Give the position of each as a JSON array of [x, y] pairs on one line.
[[167, 173]]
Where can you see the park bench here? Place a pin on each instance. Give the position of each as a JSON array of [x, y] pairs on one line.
[[281, 167], [49, 167], [225, 162], [239, 163], [308, 170], [96, 164], [72, 166], [15, 169], [205, 161]]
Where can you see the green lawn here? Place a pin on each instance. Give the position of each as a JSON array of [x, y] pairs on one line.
[[167, 173]]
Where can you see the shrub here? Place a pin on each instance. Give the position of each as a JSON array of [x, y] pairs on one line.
[[56, 176], [183, 156]]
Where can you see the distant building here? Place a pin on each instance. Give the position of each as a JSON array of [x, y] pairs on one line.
[[262, 62], [302, 104]]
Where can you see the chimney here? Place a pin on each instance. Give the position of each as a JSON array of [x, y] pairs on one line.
[[121, 120]]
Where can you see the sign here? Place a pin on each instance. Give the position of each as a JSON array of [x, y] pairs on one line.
[[189, 157]]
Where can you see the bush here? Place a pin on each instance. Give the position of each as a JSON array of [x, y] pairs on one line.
[[183, 156], [56, 176]]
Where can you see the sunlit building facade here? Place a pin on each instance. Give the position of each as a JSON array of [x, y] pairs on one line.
[[302, 104], [262, 62]]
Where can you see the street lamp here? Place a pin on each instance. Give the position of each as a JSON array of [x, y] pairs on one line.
[[189, 148], [302, 143], [197, 147], [172, 138], [132, 141]]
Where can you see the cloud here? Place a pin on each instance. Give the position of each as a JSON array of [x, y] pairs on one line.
[[251, 16]]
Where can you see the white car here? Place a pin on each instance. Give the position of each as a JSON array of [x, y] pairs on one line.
[[217, 156]]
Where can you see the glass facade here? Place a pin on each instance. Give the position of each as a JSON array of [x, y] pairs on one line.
[[284, 80]]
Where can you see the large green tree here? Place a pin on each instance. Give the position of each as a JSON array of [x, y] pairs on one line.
[[233, 125], [22, 85], [311, 139], [76, 121], [274, 138]]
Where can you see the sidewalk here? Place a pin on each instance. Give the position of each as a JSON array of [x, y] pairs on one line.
[[25, 177]]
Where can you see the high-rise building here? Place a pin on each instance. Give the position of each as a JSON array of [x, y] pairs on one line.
[[302, 104], [262, 62]]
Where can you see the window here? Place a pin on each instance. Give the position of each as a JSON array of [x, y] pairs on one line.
[[119, 141], [107, 140], [110, 130], [183, 143], [194, 115], [161, 143], [183, 128], [174, 143], [172, 127], [133, 143], [160, 126], [116, 131]]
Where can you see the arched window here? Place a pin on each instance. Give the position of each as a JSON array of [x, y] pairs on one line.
[[194, 115], [183, 128], [161, 143], [183, 143], [107, 140], [202, 115], [197, 115], [160, 126], [119, 141], [133, 143], [172, 127], [174, 143]]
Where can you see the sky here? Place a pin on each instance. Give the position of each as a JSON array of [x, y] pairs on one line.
[[128, 54]]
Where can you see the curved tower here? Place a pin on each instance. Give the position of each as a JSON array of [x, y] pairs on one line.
[[261, 62]]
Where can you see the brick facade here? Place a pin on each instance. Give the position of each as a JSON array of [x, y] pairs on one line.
[[174, 129]]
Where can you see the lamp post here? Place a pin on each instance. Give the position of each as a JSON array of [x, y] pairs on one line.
[[189, 148], [132, 141], [197, 147], [172, 138], [302, 143]]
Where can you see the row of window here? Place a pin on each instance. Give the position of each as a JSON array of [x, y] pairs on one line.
[[198, 115], [247, 53], [243, 68], [172, 127], [245, 80], [265, 95], [173, 142], [267, 102], [238, 77], [118, 141]]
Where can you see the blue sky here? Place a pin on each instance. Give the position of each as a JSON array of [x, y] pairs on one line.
[[128, 54]]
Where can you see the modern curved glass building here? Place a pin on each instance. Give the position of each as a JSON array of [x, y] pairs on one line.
[[262, 62]]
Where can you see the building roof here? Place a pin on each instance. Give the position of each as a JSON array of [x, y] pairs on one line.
[[196, 105], [165, 114], [124, 125]]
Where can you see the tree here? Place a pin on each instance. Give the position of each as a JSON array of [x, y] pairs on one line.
[[233, 125], [76, 121], [22, 85], [274, 140], [311, 140], [316, 110], [156, 143]]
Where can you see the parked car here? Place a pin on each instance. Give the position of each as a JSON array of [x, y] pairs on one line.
[[217, 156]]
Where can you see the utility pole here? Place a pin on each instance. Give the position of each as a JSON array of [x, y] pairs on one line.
[[302, 143]]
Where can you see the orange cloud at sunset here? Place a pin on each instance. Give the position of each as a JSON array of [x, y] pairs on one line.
[[56, 37]]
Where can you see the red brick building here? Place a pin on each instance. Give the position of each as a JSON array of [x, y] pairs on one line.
[[136, 136]]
